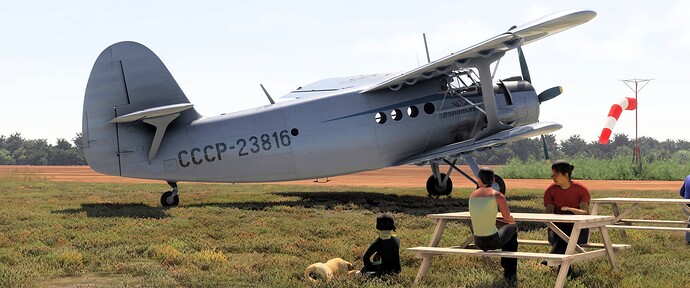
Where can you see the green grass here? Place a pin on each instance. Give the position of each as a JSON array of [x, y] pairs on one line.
[[116, 235]]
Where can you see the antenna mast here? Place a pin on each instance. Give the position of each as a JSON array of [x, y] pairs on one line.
[[637, 89], [428, 60]]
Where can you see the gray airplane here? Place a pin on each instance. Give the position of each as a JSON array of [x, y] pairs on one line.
[[138, 123]]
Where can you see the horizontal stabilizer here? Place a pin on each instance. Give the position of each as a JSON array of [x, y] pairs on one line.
[[152, 112], [159, 117], [503, 137]]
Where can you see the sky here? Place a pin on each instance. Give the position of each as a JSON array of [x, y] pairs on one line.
[[220, 51]]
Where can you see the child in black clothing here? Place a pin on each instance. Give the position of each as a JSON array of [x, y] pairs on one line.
[[385, 250]]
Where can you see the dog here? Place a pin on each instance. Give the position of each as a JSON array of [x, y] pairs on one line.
[[332, 268]]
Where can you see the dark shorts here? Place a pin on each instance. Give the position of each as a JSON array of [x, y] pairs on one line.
[[496, 240]]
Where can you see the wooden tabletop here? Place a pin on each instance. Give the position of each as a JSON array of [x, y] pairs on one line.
[[640, 200], [530, 217]]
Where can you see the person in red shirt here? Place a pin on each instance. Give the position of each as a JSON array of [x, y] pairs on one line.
[[565, 196]]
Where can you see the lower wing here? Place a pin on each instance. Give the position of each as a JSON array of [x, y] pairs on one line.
[[503, 137]]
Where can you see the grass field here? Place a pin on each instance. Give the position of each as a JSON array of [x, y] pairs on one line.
[[117, 235]]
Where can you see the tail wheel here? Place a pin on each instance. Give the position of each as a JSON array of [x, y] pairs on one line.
[[168, 201], [435, 190], [501, 184]]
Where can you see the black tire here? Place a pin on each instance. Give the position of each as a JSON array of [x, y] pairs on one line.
[[436, 190], [501, 184], [164, 199]]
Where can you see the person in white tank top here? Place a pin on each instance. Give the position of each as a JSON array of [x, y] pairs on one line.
[[484, 203]]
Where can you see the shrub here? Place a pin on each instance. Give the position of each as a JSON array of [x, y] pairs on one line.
[[620, 167], [166, 254], [208, 259], [70, 261]]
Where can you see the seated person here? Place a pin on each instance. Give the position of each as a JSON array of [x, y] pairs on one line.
[[565, 196], [484, 204], [385, 249]]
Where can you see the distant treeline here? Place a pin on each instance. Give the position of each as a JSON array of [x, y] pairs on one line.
[[667, 160], [15, 150], [651, 150]]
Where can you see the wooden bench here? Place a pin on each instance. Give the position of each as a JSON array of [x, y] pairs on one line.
[[552, 259], [616, 247], [648, 228], [660, 228]]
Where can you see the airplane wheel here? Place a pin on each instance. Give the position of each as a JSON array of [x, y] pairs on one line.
[[501, 184], [436, 190], [168, 201]]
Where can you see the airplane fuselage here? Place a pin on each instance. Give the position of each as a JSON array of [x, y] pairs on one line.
[[315, 137]]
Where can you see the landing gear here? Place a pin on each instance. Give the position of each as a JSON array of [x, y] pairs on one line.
[[440, 184], [437, 188], [170, 198]]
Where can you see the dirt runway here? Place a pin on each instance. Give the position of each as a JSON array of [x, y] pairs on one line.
[[402, 176]]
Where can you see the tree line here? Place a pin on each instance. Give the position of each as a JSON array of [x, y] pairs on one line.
[[16, 150], [651, 150]]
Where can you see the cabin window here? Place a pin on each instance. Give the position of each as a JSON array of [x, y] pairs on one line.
[[294, 132], [380, 117], [396, 114], [413, 111], [429, 108]]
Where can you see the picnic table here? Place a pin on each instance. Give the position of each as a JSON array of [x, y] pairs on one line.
[[580, 222], [622, 223]]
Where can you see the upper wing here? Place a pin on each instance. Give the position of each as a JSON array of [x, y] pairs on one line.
[[338, 85], [512, 39], [505, 136]]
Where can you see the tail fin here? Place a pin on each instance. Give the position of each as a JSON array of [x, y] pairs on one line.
[[129, 83]]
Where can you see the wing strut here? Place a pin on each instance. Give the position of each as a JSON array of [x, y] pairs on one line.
[[452, 165], [490, 107]]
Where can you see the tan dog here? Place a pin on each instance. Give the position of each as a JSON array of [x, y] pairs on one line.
[[333, 268]]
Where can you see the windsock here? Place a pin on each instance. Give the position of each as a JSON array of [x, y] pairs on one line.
[[615, 112]]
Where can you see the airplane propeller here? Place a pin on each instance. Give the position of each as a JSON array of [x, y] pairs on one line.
[[550, 93], [523, 66], [546, 150], [545, 95]]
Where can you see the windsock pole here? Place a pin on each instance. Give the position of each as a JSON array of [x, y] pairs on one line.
[[637, 89]]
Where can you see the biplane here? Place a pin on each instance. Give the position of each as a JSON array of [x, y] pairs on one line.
[[138, 123]]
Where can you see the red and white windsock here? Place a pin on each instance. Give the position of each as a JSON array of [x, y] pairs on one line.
[[615, 112]]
